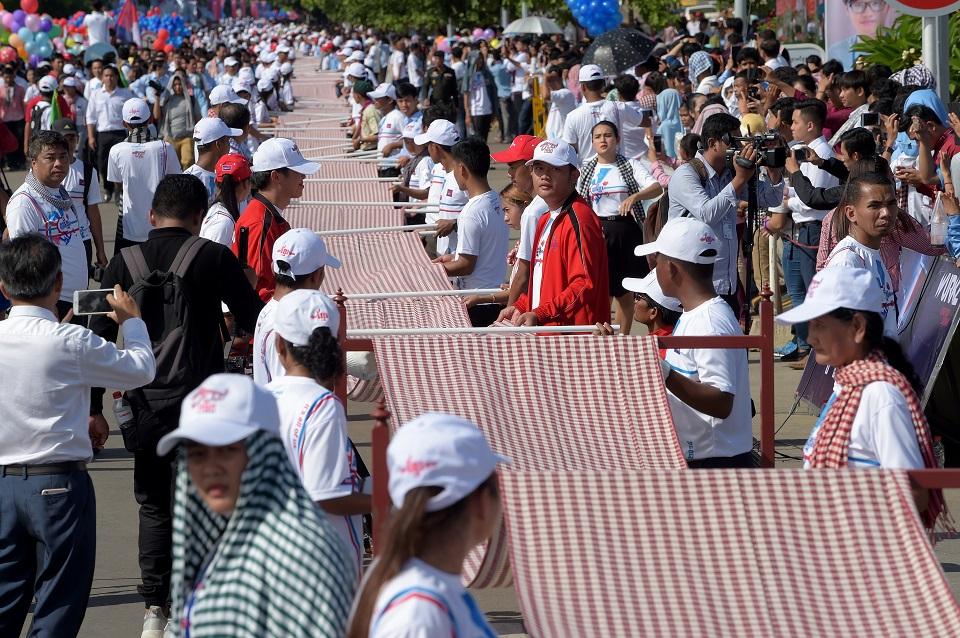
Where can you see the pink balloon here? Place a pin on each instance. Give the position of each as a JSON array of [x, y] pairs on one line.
[[32, 22], [478, 34]]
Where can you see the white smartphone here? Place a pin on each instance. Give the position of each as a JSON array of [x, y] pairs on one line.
[[91, 302]]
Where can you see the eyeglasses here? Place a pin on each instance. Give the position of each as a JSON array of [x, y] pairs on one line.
[[861, 6]]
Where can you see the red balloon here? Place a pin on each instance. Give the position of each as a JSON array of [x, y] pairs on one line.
[[163, 34], [7, 55], [158, 45], [30, 6], [168, 48]]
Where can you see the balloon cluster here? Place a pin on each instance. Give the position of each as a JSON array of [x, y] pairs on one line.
[[596, 16], [28, 35], [171, 30], [483, 34]]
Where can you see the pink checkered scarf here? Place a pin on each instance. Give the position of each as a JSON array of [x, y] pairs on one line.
[[831, 446]]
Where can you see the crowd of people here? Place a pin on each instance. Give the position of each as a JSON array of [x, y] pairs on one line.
[[632, 204]]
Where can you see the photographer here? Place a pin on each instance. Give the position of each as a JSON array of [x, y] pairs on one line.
[[706, 188]]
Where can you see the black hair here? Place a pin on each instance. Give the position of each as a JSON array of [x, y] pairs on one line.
[[884, 88], [474, 154], [875, 338], [815, 60], [628, 87], [770, 47], [438, 112], [903, 93], [859, 140], [734, 38], [689, 49], [667, 316], [690, 143], [924, 112], [832, 67], [457, 52], [735, 24], [766, 34], [813, 110], [718, 126], [28, 266], [786, 74], [235, 115], [883, 106], [43, 140], [179, 197], [698, 272], [594, 85], [748, 53], [322, 355], [877, 72], [260, 180], [405, 89], [227, 195], [783, 107], [856, 80], [616, 131], [807, 82], [655, 81], [852, 193]]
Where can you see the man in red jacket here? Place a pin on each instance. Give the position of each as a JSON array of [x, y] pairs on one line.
[[278, 172], [568, 281]]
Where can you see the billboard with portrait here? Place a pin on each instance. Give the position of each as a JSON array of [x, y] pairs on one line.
[[847, 20]]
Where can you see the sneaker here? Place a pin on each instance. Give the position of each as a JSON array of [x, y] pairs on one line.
[[786, 349], [796, 355], [154, 622]]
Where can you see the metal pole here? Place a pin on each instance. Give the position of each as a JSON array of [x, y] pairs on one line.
[[936, 52], [414, 294], [523, 9], [740, 10], [421, 332], [377, 229]]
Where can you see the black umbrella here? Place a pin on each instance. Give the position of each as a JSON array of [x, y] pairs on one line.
[[618, 50]]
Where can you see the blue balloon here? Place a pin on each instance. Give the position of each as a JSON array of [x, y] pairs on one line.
[[25, 34]]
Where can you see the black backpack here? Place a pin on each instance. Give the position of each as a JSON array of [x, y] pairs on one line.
[[36, 116], [164, 305]]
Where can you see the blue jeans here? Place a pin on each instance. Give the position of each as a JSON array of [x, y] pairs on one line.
[[48, 548], [799, 266]]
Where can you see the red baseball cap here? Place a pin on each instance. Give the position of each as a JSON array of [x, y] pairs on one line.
[[233, 164], [521, 149]]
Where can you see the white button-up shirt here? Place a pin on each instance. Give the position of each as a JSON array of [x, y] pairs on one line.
[[48, 369], [819, 178], [105, 110]]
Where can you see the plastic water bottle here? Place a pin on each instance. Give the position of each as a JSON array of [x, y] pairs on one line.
[[121, 409], [938, 452], [938, 223]]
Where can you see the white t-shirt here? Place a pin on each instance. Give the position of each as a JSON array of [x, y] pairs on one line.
[[519, 72], [562, 103], [438, 177], [97, 28], [423, 602], [140, 167], [632, 142], [528, 226], [398, 66], [882, 435], [415, 70], [480, 101], [261, 113], [313, 428], [608, 190], [851, 253], [537, 264], [451, 203], [818, 177], [73, 184], [266, 363], [218, 225], [482, 232], [703, 436], [28, 212], [422, 176], [578, 127], [391, 130], [458, 69], [209, 179]]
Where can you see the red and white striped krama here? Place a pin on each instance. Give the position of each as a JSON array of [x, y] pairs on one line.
[[346, 191], [723, 553], [556, 403]]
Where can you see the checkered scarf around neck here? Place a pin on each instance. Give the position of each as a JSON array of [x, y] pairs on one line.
[[626, 173], [275, 567], [833, 440], [63, 202]]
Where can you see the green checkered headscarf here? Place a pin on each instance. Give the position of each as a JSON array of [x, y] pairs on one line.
[[275, 567]]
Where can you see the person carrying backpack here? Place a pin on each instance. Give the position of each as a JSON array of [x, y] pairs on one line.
[[179, 281]]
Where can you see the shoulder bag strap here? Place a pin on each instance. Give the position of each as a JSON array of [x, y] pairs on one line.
[[188, 250], [135, 262]]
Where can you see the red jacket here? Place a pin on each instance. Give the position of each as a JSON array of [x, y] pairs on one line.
[[574, 288], [260, 243]]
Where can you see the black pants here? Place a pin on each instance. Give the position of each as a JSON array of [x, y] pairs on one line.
[[105, 141], [744, 460], [481, 125], [525, 117], [153, 480], [120, 242]]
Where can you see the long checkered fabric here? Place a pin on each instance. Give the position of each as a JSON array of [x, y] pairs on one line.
[[348, 191], [557, 403], [723, 553]]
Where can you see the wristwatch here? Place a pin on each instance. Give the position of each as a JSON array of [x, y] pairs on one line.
[[889, 149]]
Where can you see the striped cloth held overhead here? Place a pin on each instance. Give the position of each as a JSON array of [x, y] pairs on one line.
[[723, 553], [274, 568]]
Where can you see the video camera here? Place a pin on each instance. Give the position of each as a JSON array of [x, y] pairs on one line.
[[767, 155]]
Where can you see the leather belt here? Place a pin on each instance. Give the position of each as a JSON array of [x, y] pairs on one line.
[[43, 469]]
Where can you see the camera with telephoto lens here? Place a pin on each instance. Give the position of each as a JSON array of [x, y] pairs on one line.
[[768, 154], [156, 86]]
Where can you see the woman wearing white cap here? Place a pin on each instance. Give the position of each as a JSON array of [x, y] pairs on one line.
[[313, 425], [873, 418], [252, 556], [443, 485]]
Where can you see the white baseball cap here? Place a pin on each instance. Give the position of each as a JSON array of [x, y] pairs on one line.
[[555, 153], [357, 70], [683, 238], [283, 48], [439, 450], [302, 252], [265, 84], [442, 132], [346, 51], [240, 85], [135, 111], [69, 69], [280, 152], [589, 73], [226, 408], [47, 84], [837, 287], [383, 90], [301, 312], [246, 73], [222, 94], [70, 81], [211, 129], [651, 287], [412, 130], [286, 68], [356, 56], [231, 61]]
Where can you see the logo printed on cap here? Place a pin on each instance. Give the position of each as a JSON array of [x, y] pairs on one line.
[[814, 284], [707, 238], [417, 467], [206, 400], [320, 314], [548, 147], [284, 251]]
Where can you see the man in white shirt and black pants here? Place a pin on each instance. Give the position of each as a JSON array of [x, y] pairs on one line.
[[47, 502], [105, 120]]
